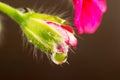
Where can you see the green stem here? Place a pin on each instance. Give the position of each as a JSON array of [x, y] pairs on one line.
[[12, 12]]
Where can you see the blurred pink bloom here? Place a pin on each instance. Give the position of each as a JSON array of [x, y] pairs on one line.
[[88, 14]]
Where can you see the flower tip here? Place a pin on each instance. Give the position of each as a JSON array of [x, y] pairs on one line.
[[88, 30], [80, 32]]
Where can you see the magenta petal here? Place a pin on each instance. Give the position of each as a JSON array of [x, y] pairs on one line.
[[101, 4], [88, 15], [78, 9]]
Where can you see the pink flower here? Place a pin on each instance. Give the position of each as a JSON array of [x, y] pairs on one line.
[[88, 15]]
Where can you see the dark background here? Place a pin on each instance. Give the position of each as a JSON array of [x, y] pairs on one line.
[[97, 56]]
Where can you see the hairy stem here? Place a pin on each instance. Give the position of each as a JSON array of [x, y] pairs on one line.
[[12, 12]]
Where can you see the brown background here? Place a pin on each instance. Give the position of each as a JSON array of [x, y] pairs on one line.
[[97, 57]]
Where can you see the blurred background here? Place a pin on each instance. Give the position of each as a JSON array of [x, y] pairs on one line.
[[97, 56]]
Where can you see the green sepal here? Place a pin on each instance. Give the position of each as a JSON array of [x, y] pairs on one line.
[[41, 34]]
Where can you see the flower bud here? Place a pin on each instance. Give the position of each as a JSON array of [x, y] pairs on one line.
[[48, 33]]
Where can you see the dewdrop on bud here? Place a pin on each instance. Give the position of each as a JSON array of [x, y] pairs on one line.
[[59, 58], [48, 33]]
